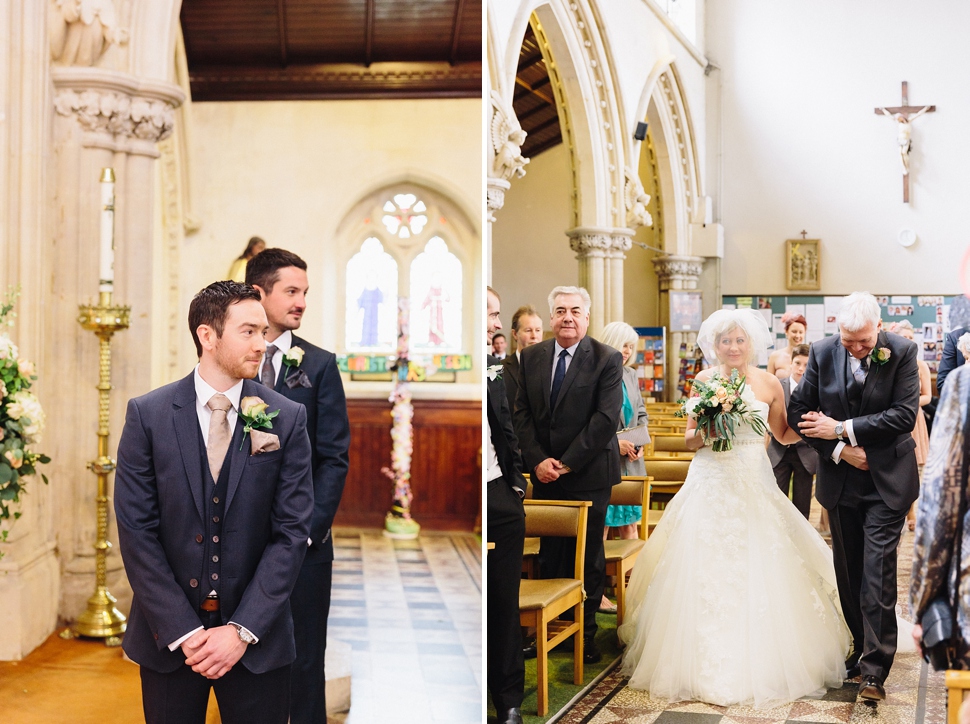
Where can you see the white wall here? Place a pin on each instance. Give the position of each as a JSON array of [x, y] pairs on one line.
[[291, 171], [801, 147]]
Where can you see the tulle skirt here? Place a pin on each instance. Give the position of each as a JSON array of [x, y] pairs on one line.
[[733, 599]]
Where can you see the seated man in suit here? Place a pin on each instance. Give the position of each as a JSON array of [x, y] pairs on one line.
[[213, 516], [794, 465], [566, 416]]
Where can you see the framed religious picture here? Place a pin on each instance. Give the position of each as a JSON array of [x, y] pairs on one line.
[[803, 264], [686, 311]]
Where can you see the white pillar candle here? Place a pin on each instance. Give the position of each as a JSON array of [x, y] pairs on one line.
[[107, 272]]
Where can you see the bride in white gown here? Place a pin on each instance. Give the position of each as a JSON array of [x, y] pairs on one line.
[[733, 599]]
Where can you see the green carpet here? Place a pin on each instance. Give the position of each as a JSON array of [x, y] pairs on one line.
[[561, 686]]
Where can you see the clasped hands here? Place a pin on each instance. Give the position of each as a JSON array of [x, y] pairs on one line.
[[212, 652], [550, 469], [822, 427]]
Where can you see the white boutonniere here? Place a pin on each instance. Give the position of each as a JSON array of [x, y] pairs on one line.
[[880, 356], [252, 410], [294, 357], [494, 372]]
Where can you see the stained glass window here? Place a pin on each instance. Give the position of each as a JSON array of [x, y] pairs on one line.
[[436, 300], [404, 215], [371, 324]]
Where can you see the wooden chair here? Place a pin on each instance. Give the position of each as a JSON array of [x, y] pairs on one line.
[[667, 442], [541, 602], [530, 551], [622, 554], [957, 691], [667, 475]]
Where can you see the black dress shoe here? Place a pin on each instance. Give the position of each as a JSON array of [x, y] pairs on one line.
[[529, 651], [512, 716], [852, 669], [591, 653], [872, 689]]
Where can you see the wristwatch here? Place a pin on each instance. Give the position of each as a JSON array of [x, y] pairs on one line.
[[839, 429], [244, 635]]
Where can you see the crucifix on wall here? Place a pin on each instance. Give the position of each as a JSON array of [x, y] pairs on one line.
[[904, 115]]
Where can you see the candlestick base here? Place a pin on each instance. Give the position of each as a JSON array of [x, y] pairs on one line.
[[101, 620]]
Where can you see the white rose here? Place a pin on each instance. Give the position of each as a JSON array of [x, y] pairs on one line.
[[26, 367], [295, 356]]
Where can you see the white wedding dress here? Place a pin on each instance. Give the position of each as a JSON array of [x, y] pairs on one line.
[[733, 598]]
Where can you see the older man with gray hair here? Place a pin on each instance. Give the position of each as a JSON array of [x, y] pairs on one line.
[[566, 412], [856, 405]]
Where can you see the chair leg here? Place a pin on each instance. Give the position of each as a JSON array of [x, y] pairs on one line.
[[578, 646], [542, 664]]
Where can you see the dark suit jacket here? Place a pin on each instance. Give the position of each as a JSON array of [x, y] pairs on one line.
[[581, 430], [510, 376], [952, 357], [884, 426], [503, 435], [329, 431], [776, 451], [159, 507]]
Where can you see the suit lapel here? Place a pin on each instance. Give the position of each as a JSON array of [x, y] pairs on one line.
[[874, 371], [237, 456], [187, 433], [582, 352], [841, 357], [545, 370]]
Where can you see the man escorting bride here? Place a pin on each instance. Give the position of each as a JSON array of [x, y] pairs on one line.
[[735, 597], [734, 594]]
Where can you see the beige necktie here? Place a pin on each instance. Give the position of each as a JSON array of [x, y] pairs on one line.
[[219, 433]]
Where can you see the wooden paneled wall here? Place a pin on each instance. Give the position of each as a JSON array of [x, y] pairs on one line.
[[445, 472]]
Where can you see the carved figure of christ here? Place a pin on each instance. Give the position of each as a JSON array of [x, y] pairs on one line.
[[904, 115]]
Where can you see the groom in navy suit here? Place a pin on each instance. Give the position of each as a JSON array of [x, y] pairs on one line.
[[856, 405], [213, 521], [306, 374]]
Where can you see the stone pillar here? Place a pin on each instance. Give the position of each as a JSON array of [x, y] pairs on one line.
[[622, 242], [601, 252], [495, 200], [103, 118], [505, 163], [675, 273]]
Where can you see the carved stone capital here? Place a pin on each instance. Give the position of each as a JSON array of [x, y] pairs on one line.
[[589, 241], [622, 241], [506, 137], [495, 191], [678, 272], [635, 200], [116, 104]]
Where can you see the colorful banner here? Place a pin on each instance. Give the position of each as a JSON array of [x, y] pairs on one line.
[[418, 370]]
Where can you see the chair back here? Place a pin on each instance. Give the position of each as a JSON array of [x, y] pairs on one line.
[[667, 469], [559, 518], [634, 490], [669, 442]]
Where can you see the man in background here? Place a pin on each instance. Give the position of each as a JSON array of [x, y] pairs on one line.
[[499, 345]]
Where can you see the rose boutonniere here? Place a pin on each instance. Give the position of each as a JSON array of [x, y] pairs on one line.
[[252, 410], [880, 356], [293, 357], [494, 372]]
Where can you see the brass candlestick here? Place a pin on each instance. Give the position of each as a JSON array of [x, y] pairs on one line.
[[101, 619]]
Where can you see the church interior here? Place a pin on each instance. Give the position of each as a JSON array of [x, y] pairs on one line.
[[344, 132], [676, 157]]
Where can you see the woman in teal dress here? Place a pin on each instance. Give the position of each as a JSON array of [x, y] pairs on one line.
[[624, 518]]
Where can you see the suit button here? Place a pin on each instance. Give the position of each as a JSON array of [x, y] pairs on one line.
[[215, 539], [215, 519], [194, 583], [216, 501], [156, 636], [198, 538], [215, 559], [215, 576]]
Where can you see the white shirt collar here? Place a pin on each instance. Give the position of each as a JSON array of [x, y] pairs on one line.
[[283, 342], [204, 391], [571, 350]]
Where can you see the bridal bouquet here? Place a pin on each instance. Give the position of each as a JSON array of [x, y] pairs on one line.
[[719, 408]]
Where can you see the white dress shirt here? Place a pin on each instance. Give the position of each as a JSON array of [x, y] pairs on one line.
[[494, 469], [203, 393], [854, 365], [569, 358]]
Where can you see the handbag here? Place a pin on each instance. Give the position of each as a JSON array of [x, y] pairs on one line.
[[940, 634], [639, 436]]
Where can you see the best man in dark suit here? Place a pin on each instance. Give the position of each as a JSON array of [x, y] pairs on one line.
[[213, 522], [794, 465], [952, 357], [565, 418], [505, 527], [306, 374], [857, 405]]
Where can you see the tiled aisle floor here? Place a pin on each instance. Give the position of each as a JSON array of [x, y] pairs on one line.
[[412, 612], [915, 695]]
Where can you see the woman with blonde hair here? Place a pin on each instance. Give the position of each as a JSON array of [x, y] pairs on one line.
[[623, 338], [237, 272]]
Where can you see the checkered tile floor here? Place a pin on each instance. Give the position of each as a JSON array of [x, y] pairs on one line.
[[915, 695], [412, 613]]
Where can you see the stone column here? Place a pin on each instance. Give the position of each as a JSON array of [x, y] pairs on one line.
[[601, 252], [622, 242], [505, 163], [676, 273], [103, 118]]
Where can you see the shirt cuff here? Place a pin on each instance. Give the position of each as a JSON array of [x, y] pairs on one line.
[[309, 542], [850, 433], [178, 642], [255, 640], [837, 452]]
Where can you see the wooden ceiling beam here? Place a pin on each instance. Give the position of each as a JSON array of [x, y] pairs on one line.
[[533, 111], [529, 60], [533, 151], [547, 97], [281, 21], [369, 34], [456, 30], [554, 121]]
